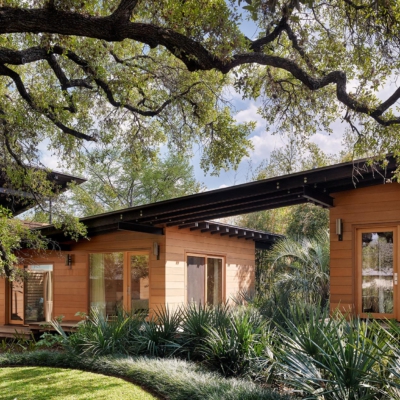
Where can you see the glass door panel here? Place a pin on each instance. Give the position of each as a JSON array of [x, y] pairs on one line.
[[17, 302], [139, 281], [214, 281], [195, 280], [377, 272], [106, 282]]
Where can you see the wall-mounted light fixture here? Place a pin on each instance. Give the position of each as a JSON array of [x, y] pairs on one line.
[[339, 229], [156, 250], [68, 261]]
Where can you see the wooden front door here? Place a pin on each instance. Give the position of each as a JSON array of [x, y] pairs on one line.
[[377, 272]]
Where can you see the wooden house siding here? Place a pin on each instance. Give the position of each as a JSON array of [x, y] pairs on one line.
[[357, 208], [125, 241], [238, 256], [167, 271]]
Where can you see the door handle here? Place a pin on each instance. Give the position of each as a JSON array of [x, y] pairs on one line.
[[395, 278]]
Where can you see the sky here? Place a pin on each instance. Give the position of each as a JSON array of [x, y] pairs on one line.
[[263, 142]]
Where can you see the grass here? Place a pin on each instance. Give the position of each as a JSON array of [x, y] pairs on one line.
[[55, 383], [170, 378]]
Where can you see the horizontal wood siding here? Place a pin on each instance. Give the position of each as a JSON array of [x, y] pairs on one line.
[[71, 285], [239, 257], [3, 301], [359, 207]]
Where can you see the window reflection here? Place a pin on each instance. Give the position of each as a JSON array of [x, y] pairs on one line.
[[377, 272]]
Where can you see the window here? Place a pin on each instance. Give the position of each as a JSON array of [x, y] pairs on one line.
[[377, 270], [32, 298], [204, 280]]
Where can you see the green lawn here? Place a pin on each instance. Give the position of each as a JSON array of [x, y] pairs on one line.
[[55, 383]]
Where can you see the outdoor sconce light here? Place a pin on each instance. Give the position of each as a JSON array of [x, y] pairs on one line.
[[68, 261], [339, 229], [156, 250]]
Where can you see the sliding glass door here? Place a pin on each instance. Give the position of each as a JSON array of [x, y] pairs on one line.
[[119, 281], [106, 282], [16, 302], [138, 281]]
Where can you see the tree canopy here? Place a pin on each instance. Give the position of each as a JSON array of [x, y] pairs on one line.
[[76, 74], [116, 182]]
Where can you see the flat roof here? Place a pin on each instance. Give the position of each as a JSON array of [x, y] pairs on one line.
[[313, 186]]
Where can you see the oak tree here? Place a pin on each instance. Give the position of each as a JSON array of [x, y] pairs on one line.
[[79, 73]]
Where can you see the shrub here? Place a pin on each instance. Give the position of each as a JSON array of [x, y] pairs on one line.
[[197, 319]]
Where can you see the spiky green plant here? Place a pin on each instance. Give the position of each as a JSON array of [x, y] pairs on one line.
[[239, 347], [98, 335], [334, 358], [159, 335]]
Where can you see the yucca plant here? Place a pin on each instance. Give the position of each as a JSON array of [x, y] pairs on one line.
[[196, 320], [333, 358], [239, 347], [159, 335], [98, 335]]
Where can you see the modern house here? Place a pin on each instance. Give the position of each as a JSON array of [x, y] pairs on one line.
[[170, 253]]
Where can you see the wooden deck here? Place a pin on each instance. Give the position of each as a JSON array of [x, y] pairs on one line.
[[12, 331], [25, 331], [67, 326]]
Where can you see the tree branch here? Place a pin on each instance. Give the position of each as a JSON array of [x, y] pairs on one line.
[[5, 71], [194, 55], [124, 10]]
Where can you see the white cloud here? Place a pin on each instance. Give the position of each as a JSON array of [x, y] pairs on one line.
[[251, 114]]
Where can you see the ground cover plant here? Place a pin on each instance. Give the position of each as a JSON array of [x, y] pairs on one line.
[[170, 378], [43, 383]]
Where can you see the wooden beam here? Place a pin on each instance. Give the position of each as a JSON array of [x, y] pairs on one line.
[[233, 232], [318, 197], [129, 226], [215, 229], [224, 231], [205, 227], [250, 236], [194, 226]]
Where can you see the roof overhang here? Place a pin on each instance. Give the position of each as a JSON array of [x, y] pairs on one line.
[[313, 186], [19, 201]]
